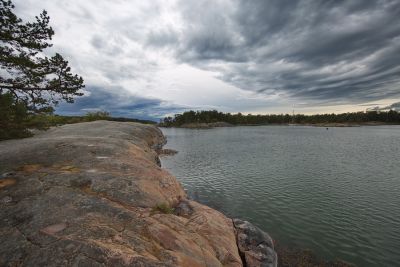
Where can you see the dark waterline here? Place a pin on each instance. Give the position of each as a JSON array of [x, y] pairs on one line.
[[334, 191]]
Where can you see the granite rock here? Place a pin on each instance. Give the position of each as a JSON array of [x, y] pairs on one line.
[[83, 195]]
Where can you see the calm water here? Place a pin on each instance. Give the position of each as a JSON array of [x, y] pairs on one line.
[[334, 191]]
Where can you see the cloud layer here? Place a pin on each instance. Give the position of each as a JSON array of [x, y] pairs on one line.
[[342, 51], [234, 55]]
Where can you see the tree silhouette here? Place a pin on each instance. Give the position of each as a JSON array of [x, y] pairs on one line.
[[210, 116]]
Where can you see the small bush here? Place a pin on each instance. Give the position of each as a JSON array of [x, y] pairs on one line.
[[162, 208], [39, 121]]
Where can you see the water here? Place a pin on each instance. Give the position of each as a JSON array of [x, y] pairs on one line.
[[334, 191]]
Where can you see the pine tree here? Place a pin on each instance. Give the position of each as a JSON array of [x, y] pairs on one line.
[[38, 81], [30, 82]]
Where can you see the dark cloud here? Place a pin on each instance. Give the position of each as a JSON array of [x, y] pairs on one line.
[[394, 106], [344, 51], [119, 103]]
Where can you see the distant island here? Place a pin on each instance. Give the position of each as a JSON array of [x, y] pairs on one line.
[[214, 118]]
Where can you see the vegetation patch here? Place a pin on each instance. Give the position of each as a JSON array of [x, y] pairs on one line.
[[162, 208]]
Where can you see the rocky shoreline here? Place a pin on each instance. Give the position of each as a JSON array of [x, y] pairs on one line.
[[94, 194]]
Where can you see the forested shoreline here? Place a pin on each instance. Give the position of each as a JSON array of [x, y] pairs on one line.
[[212, 116]]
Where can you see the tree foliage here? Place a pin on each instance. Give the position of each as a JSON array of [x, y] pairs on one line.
[[13, 118], [30, 81], [38, 81]]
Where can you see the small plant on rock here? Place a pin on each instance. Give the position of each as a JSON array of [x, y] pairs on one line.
[[162, 208]]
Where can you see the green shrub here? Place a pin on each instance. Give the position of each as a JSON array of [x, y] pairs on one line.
[[39, 121], [13, 117], [163, 208]]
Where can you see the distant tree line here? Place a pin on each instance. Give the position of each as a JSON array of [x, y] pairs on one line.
[[211, 116]]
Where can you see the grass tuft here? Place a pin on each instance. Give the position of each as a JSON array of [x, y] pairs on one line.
[[162, 208]]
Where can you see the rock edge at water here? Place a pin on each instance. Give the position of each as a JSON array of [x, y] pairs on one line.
[[93, 194], [255, 246]]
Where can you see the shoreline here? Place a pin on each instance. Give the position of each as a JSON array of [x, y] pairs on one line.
[[94, 194]]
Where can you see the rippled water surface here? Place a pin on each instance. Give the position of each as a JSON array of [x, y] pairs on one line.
[[334, 191]]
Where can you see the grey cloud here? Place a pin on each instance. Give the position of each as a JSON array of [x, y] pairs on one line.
[[394, 106], [162, 38], [109, 45], [342, 51], [209, 32], [97, 41], [118, 102]]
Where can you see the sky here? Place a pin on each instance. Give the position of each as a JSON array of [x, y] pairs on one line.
[[149, 59]]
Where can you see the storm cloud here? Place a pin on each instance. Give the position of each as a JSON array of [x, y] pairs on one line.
[[237, 55], [342, 51]]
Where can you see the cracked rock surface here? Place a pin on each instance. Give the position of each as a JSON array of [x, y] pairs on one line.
[[85, 195]]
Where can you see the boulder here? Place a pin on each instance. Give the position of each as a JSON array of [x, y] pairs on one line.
[[255, 246]]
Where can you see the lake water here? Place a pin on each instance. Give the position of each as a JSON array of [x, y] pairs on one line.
[[336, 191]]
